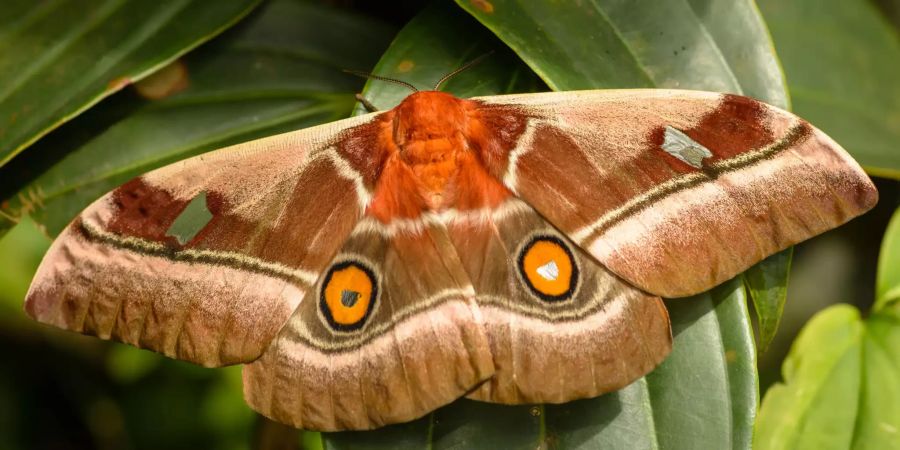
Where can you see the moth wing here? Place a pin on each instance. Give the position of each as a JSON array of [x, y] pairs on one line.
[[674, 191], [205, 259], [391, 333], [561, 326]]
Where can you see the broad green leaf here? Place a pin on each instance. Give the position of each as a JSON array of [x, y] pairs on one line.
[[767, 285], [423, 52], [714, 371], [278, 71], [62, 57], [702, 396], [840, 385], [707, 384], [696, 44], [887, 285], [878, 420], [842, 59]]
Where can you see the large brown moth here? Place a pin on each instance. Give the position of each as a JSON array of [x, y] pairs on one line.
[[373, 269]]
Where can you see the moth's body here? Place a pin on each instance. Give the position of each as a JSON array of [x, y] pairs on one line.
[[431, 165], [319, 261]]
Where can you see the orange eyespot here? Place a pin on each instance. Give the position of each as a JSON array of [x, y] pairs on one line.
[[348, 295], [548, 268]]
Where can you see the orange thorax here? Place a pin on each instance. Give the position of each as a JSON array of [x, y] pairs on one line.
[[432, 159]]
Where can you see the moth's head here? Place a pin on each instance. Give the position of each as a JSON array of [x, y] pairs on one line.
[[428, 115]]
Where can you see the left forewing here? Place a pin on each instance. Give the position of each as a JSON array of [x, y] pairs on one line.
[[204, 260]]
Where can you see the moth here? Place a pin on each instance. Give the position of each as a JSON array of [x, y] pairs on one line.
[[511, 249]]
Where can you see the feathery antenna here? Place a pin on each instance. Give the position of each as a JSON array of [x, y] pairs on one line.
[[360, 73], [461, 68]]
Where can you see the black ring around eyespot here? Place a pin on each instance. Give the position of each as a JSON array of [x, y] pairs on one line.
[[573, 281], [323, 303]]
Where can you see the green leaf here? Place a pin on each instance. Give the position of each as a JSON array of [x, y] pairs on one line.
[[707, 385], [423, 52], [697, 44], [20, 254], [55, 66], [767, 285], [840, 385], [848, 88], [887, 285], [714, 372], [278, 71]]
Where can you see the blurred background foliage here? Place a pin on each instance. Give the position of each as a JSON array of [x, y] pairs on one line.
[[73, 125]]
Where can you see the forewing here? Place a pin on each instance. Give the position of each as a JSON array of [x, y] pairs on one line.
[[674, 191], [204, 260]]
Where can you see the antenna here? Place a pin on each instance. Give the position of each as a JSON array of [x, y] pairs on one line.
[[379, 77], [461, 68]]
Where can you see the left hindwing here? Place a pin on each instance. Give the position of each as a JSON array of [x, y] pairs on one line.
[[674, 191], [390, 332]]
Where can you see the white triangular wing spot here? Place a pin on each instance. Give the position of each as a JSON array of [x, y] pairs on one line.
[[549, 271], [681, 146]]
